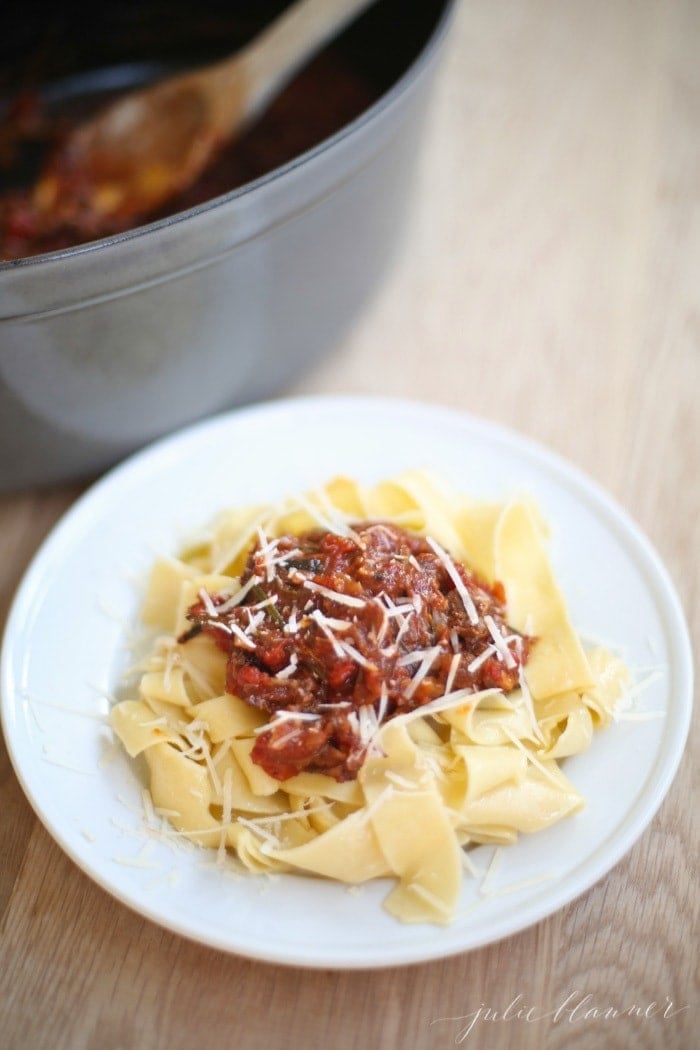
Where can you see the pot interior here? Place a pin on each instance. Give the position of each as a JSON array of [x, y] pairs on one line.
[[40, 42], [64, 61]]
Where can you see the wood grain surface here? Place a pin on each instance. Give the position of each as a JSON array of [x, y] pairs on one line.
[[549, 280]]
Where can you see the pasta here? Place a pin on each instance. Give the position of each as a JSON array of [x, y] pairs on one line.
[[412, 750]]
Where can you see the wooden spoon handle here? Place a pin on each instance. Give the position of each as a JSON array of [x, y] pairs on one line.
[[286, 45]]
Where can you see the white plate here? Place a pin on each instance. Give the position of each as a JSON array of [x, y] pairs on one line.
[[67, 643]]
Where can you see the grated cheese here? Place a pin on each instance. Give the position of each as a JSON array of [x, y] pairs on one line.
[[514, 887], [469, 866], [369, 723], [529, 755], [264, 834], [327, 522], [417, 656], [430, 898], [266, 550], [241, 636], [638, 716], [291, 667], [500, 642], [227, 797], [443, 703], [452, 673], [220, 626], [428, 660], [400, 781], [237, 597], [254, 620], [452, 572], [357, 656], [383, 702], [529, 706], [322, 621], [208, 604], [331, 621], [495, 863], [336, 596], [481, 658], [280, 717]]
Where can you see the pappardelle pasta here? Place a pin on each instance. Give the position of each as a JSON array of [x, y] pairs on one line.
[[363, 682]]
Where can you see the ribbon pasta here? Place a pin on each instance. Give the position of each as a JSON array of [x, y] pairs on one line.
[[468, 769]]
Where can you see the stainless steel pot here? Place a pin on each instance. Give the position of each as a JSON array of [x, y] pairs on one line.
[[106, 346]]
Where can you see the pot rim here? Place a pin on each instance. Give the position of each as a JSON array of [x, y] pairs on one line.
[[386, 101]]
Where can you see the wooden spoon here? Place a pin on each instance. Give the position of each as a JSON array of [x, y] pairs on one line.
[[152, 144]]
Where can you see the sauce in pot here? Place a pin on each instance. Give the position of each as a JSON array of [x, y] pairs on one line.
[[323, 98]]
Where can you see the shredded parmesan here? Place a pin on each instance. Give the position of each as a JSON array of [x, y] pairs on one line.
[[499, 641], [526, 884], [444, 703], [254, 620], [529, 755], [428, 660], [136, 862], [430, 898], [469, 866], [208, 604], [265, 603], [529, 706], [383, 702], [266, 550], [496, 857], [219, 626], [291, 667], [401, 781], [452, 572], [65, 765], [336, 596], [280, 717], [327, 522], [630, 694], [96, 715], [369, 811], [324, 623], [638, 716], [369, 724], [227, 796], [331, 621], [241, 636], [264, 834], [483, 656], [237, 597], [452, 673], [357, 656], [417, 656]]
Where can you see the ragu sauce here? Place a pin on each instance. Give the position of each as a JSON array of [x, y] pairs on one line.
[[331, 635], [324, 97]]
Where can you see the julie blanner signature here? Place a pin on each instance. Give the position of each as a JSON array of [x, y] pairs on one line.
[[577, 1007]]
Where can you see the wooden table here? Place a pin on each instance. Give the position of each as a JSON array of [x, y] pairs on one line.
[[550, 280]]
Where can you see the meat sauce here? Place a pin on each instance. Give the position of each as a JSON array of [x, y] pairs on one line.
[[336, 634], [322, 98]]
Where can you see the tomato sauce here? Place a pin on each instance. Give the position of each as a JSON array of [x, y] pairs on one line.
[[322, 98], [333, 634]]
